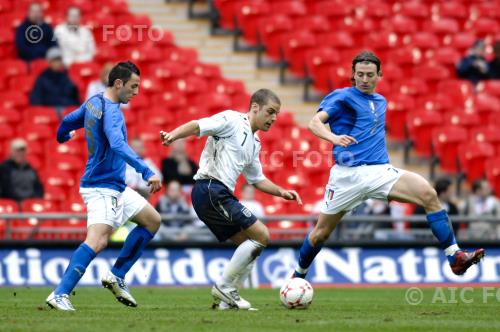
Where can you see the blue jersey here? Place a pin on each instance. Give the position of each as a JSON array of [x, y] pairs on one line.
[[362, 116], [106, 137]]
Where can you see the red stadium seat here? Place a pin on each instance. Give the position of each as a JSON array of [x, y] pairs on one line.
[[446, 56], [439, 102], [207, 71], [14, 68], [398, 107], [334, 11], [190, 85], [420, 125], [227, 10], [489, 87], [472, 158], [6, 206], [463, 119], [13, 99], [41, 115], [271, 31], [295, 48], [485, 26], [486, 105], [9, 116], [292, 9], [67, 162], [423, 40], [58, 178], [248, 16], [461, 41], [445, 142], [337, 40], [23, 84], [166, 71], [457, 89], [318, 63], [35, 132], [213, 102], [54, 194], [431, 72], [317, 24], [453, 9], [443, 27], [413, 87], [488, 134], [157, 116], [414, 9], [401, 25]]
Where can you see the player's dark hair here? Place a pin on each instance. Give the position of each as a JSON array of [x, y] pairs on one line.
[[122, 71], [442, 185], [262, 97], [365, 56]]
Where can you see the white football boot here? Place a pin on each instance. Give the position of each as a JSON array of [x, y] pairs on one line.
[[230, 296], [59, 302], [119, 288]]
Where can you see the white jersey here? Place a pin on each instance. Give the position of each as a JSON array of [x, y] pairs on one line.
[[230, 150]]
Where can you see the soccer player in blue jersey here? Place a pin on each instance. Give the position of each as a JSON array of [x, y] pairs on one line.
[[109, 201], [356, 117]]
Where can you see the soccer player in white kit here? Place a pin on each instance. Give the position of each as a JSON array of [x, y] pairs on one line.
[[231, 149]]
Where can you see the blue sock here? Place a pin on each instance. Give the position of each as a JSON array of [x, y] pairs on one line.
[[132, 249], [441, 228], [306, 256], [81, 258]]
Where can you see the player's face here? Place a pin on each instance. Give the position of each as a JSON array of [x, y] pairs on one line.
[[128, 90], [266, 115], [366, 76]]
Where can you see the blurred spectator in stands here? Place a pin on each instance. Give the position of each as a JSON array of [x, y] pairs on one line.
[[495, 62], [100, 85], [133, 179], [480, 203], [180, 229], [34, 37], [474, 66], [53, 87], [178, 166], [18, 180], [248, 200], [76, 41]]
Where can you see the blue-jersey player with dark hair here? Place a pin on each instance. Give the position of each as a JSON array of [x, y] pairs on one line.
[[356, 116], [109, 201]]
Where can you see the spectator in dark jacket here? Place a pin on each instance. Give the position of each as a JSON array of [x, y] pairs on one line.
[[474, 66], [178, 166], [34, 37], [18, 180], [495, 62], [53, 87]]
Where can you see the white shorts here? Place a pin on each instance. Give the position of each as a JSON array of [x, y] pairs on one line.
[[110, 207], [350, 186]]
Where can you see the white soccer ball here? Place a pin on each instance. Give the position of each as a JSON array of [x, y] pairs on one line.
[[296, 293]]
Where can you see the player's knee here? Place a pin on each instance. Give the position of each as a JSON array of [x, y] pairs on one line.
[[318, 236], [155, 221], [263, 237], [429, 198], [97, 244]]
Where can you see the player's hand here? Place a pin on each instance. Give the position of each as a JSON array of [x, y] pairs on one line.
[[154, 184], [343, 140], [166, 138], [291, 195]]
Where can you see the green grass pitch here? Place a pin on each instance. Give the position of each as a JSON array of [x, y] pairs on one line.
[[188, 309]]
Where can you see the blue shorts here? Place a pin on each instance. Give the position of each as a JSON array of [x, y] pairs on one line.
[[219, 209]]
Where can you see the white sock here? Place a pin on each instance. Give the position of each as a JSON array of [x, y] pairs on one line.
[[245, 254], [451, 250], [240, 280]]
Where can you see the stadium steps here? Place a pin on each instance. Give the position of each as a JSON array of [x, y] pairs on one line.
[[218, 50]]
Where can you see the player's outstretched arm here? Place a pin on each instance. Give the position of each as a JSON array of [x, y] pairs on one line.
[[271, 188], [317, 127], [71, 122], [188, 129]]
